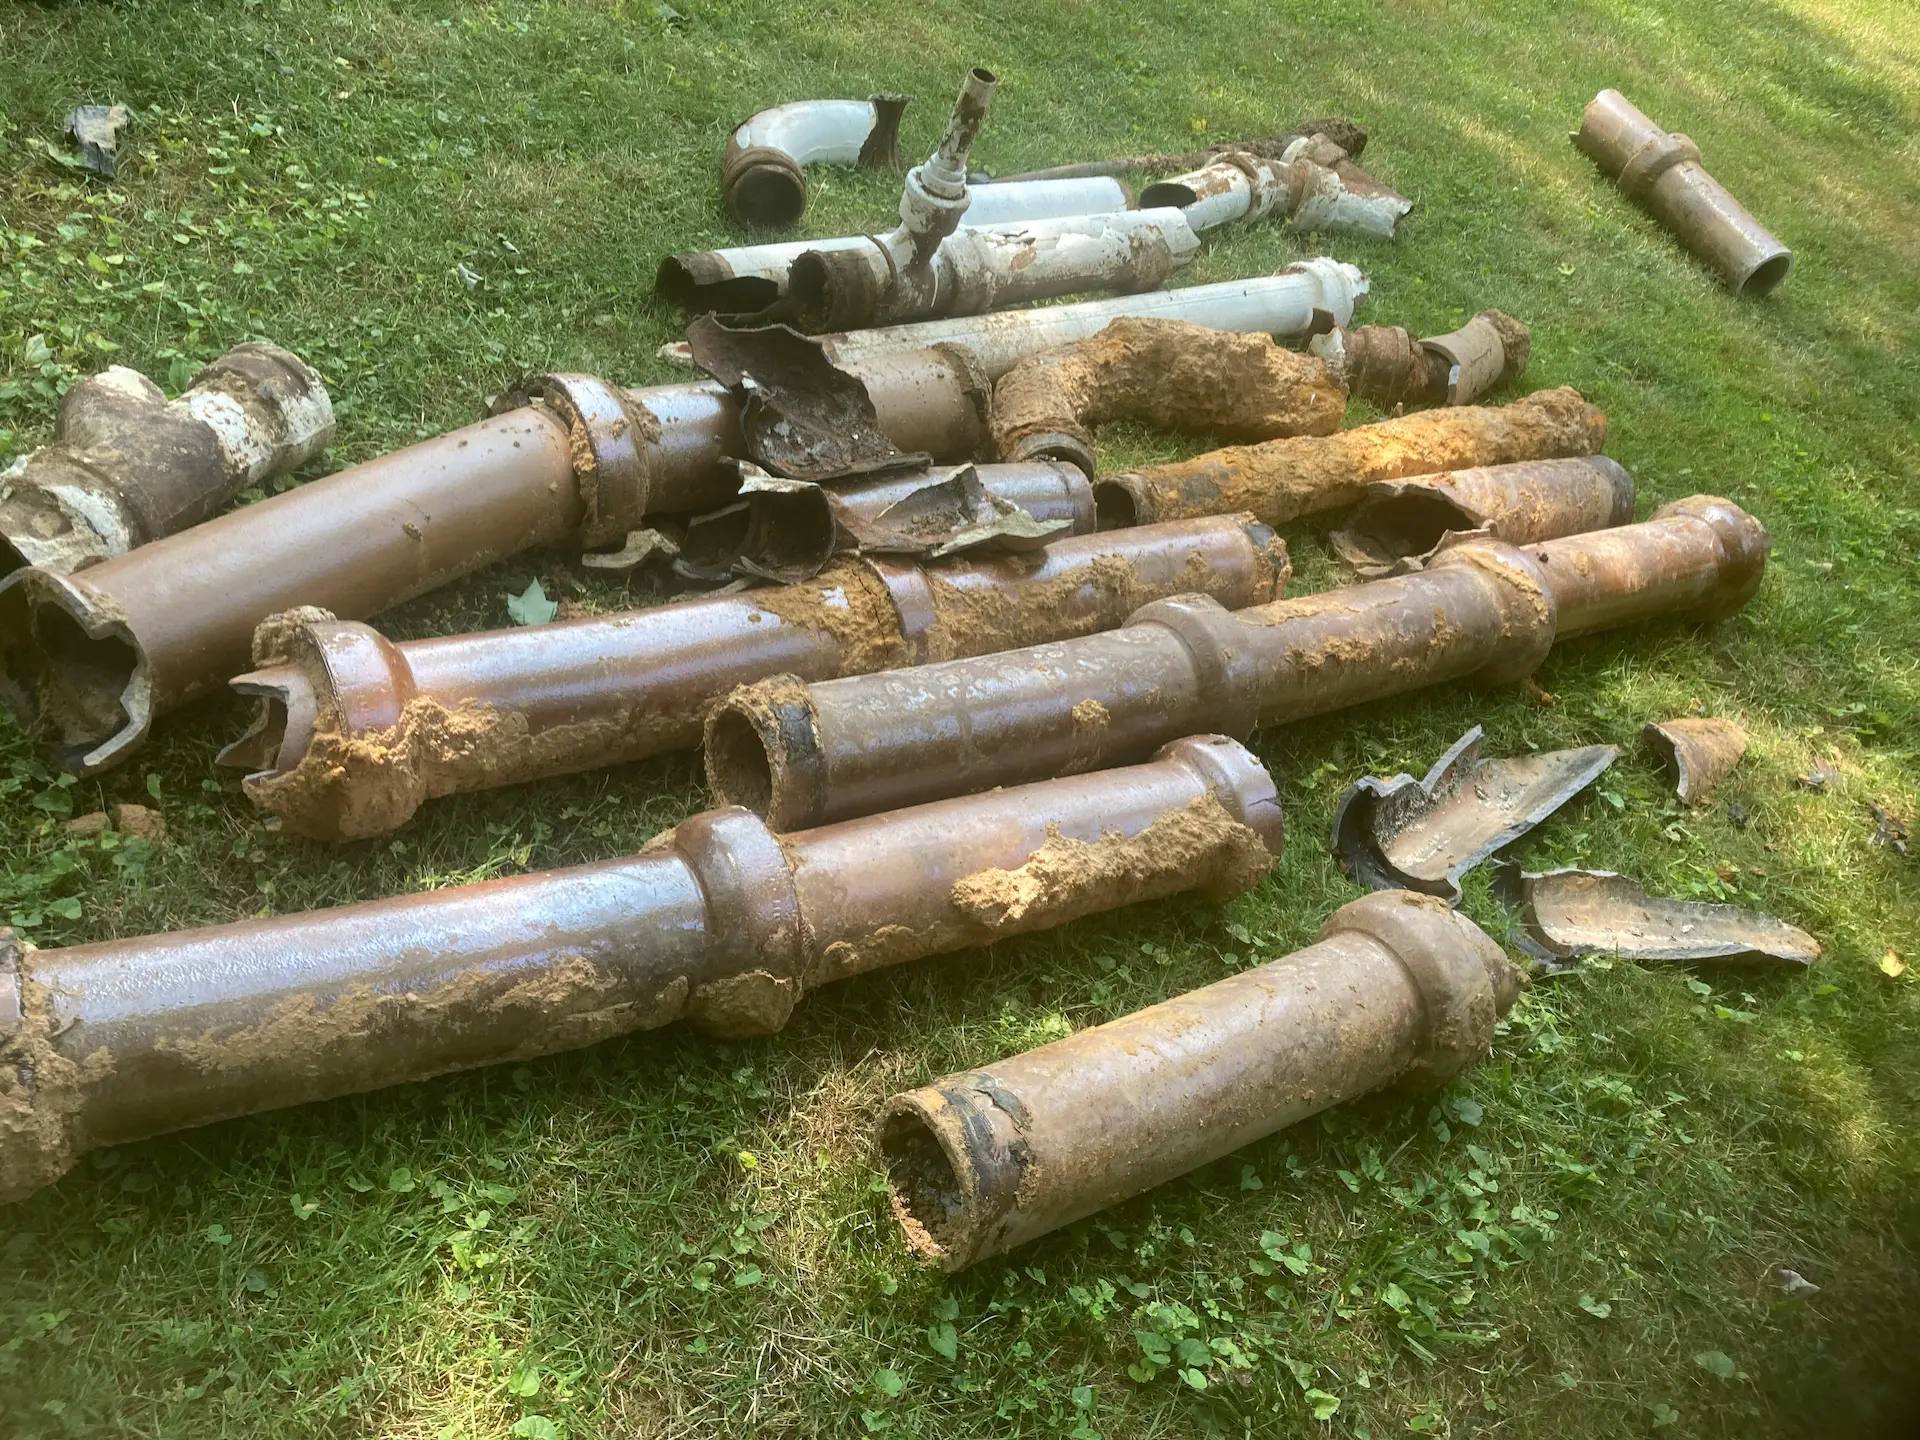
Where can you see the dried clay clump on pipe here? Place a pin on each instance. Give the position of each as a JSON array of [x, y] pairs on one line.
[[1398, 991], [718, 921]]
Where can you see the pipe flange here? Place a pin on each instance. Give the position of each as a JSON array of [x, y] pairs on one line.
[[1224, 664], [762, 186], [609, 449], [1744, 548], [1652, 160], [912, 597], [757, 942]]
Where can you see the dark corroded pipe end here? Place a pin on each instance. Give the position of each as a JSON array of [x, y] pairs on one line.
[[38, 1087], [953, 1168], [1057, 446], [763, 187], [832, 290], [1465, 980], [72, 671], [1744, 548], [763, 753], [699, 281], [1123, 501], [881, 150]]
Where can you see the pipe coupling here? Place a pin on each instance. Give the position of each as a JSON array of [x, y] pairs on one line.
[[1225, 668], [756, 941], [1652, 160], [609, 433]]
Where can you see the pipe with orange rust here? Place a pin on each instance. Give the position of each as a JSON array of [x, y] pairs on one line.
[[1282, 480], [88, 661], [355, 732], [1398, 990], [1481, 608], [718, 921]]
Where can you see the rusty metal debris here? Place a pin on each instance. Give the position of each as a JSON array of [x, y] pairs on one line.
[[1388, 367], [1312, 186], [1282, 480], [718, 921], [1663, 174], [1698, 754], [354, 732], [1567, 915], [88, 661], [96, 129], [1168, 373], [1481, 608], [1408, 834], [763, 177], [1399, 524], [1889, 830], [128, 466], [1397, 991], [1345, 133]]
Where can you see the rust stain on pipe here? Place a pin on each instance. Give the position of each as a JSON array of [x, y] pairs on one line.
[[88, 661], [1398, 990], [1388, 367], [1663, 175], [127, 466], [1698, 754], [1282, 480], [1399, 524], [1167, 373], [355, 732], [1344, 133], [718, 921], [1481, 609]]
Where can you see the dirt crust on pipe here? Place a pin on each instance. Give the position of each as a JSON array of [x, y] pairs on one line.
[[1285, 479], [1171, 374], [40, 1092]]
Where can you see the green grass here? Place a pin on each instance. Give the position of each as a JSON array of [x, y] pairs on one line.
[[671, 1236]]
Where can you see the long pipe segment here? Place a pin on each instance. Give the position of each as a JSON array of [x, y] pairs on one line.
[[1282, 480], [1663, 175], [1481, 609], [743, 279], [126, 466], [355, 732], [763, 173], [1169, 374], [1304, 188], [88, 661], [1398, 990], [1388, 367], [717, 921], [1348, 136]]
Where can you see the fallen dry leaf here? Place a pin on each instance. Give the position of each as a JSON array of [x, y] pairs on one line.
[[1892, 964]]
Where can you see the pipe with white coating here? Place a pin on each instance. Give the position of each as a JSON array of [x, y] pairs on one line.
[[763, 175]]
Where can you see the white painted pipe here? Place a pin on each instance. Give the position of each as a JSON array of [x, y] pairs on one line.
[[762, 177], [1308, 195]]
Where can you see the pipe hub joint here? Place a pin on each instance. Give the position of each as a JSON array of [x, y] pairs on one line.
[[1744, 548], [1529, 615], [1225, 667], [610, 435], [758, 943]]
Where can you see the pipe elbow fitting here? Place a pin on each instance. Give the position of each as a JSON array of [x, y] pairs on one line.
[[1465, 981], [1744, 548]]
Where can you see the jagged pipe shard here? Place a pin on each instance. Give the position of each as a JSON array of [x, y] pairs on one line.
[[1169, 374], [1663, 174], [1388, 367], [744, 279], [88, 661], [763, 176], [127, 466], [1400, 524], [1698, 754], [718, 921], [1408, 834], [1481, 609], [1282, 480], [1397, 991], [1350, 137], [354, 732], [1570, 914]]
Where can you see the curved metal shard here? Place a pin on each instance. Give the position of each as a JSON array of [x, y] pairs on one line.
[[1570, 914], [1698, 753]]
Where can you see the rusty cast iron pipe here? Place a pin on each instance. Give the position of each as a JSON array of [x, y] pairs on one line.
[[355, 732], [1398, 990], [1663, 175], [717, 921], [1282, 480], [126, 466], [1348, 136], [1399, 523], [1168, 373], [1387, 367], [88, 661], [1480, 609], [763, 176], [1311, 187]]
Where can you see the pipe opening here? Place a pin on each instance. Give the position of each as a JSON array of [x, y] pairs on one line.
[[78, 680], [1168, 193], [680, 283], [1411, 523], [1767, 276], [983, 77], [926, 1190], [832, 290], [768, 196], [738, 766], [1113, 507], [258, 751], [10, 558]]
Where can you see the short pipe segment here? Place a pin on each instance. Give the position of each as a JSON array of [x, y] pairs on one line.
[[718, 921], [1480, 609], [1663, 174], [355, 732], [89, 661], [1398, 990]]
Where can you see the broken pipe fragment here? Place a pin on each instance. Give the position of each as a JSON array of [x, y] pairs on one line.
[[1570, 914], [1400, 524], [763, 176], [1386, 366], [718, 921], [1698, 754], [1397, 991], [128, 466], [1407, 834], [96, 129]]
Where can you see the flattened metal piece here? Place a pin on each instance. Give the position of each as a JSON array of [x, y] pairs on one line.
[[1407, 834], [1568, 914], [1698, 754]]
